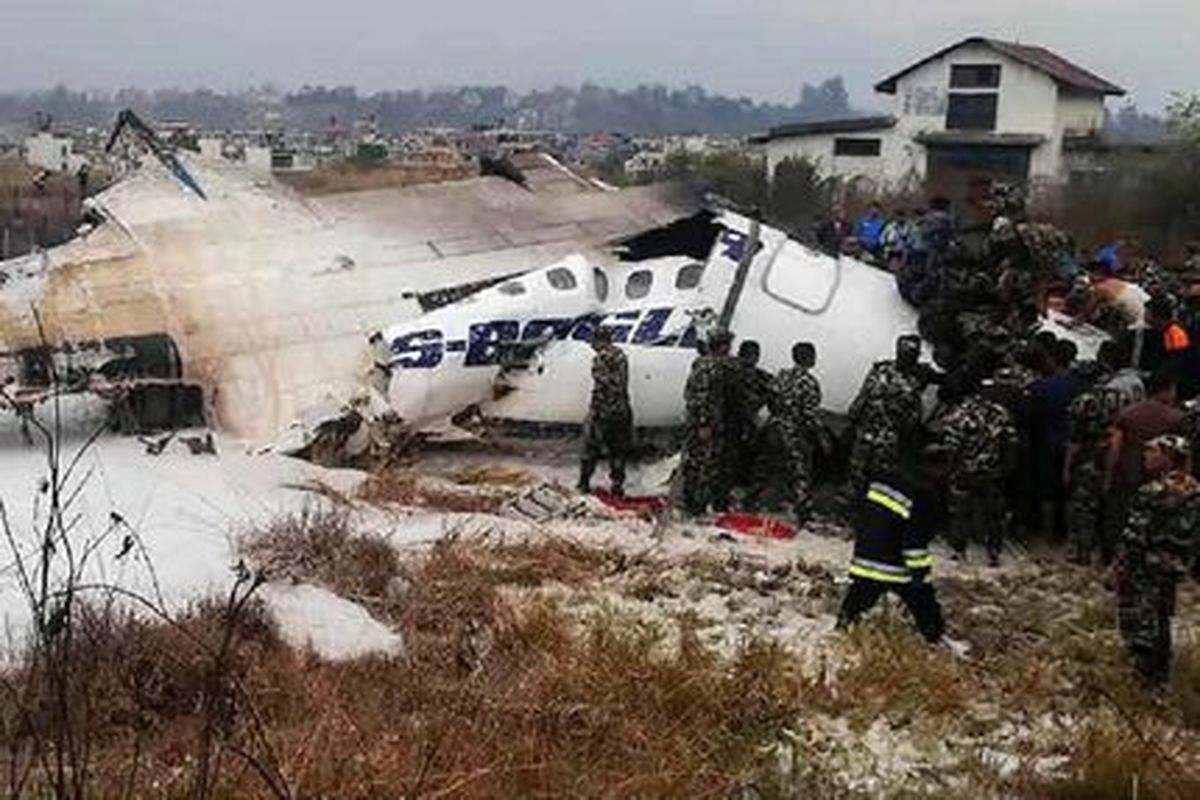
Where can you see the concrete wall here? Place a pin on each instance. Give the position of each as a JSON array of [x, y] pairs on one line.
[[54, 153], [1080, 114], [1029, 103], [895, 165]]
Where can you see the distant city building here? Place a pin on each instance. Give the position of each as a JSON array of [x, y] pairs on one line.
[[53, 152], [978, 111], [645, 162]]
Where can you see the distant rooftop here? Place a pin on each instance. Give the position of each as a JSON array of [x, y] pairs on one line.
[[841, 125], [1064, 72]]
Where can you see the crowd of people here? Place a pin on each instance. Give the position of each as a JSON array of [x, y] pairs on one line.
[[1007, 434]]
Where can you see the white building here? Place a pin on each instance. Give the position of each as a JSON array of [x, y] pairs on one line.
[[974, 112], [53, 152]]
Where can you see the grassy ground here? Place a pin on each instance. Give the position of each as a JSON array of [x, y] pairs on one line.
[[550, 668]]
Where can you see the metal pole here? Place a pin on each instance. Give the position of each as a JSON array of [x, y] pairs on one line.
[[739, 277]]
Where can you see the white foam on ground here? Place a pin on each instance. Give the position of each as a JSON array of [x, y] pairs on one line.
[[186, 510], [332, 626]]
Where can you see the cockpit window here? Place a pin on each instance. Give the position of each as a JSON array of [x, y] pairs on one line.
[[562, 279], [512, 288], [601, 284], [689, 276], [638, 284]]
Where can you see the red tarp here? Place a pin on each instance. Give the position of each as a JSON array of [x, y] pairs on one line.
[[756, 525]]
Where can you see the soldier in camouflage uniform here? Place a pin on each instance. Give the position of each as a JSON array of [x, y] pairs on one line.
[[980, 437], [886, 411], [1157, 281], [609, 428], [753, 395], [1157, 548], [710, 406], [1088, 420], [795, 401], [1029, 254]]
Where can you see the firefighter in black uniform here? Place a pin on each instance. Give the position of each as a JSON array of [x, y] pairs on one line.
[[895, 519]]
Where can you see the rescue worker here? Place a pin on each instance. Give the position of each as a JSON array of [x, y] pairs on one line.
[[795, 402], [709, 407], [1083, 473], [981, 439], [608, 431], [1028, 254], [894, 521], [1157, 547], [1134, 426], [887, 408], [754, 390]]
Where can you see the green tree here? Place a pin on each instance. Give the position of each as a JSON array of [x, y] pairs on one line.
[[739, 177], [800, 196]]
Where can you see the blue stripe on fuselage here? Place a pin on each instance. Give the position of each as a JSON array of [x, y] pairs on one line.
[[486, 341]]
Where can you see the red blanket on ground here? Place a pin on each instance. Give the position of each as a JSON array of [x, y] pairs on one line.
[[756, 525]]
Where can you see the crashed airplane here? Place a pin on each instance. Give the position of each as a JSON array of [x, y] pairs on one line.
[[520, 351], [206, 291]]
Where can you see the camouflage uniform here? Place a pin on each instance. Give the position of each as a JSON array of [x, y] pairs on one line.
[[1190, 429], [886, 410], [1157, 547], [1089, 418], [753, 394], [980, 437], [1030, 254], [609, 427], [1156, 280], [795, 401], [1014, 383], [710, 410]]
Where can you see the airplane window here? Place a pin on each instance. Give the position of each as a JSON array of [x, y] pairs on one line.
[[512, 288], [601, 284], [562, 279], [689, 276], [638, 285]]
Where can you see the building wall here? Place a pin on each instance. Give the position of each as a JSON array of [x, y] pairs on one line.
[[1080, 114], [1029, 103], [54, 153], [895, 165]]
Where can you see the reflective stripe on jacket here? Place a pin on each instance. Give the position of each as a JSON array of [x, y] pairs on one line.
[[892, 528]]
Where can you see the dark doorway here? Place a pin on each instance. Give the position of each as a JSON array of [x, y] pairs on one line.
[[964, 173]]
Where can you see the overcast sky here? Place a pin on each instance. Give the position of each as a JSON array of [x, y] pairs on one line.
[[761, 48]]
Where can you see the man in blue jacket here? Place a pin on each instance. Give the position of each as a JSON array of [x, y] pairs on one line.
[[869, 229]]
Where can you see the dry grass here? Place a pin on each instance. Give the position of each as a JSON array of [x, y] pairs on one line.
[[319, 545], [890, 670], [1185, 683], [493, 699], [405, 488], [1113, 761], [139, 703]]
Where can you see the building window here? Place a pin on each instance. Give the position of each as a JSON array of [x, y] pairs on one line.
[[971, 112], [689, 276], [856, 146], [638, 285], [561, 278], [974, 76]]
